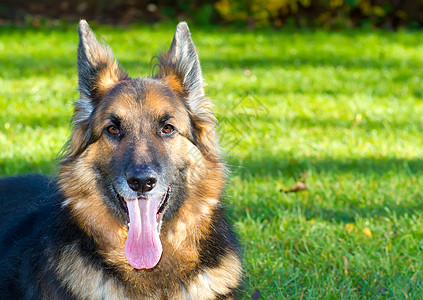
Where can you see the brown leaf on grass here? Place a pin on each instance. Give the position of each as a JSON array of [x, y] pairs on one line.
[[256, 295], [299, 186]]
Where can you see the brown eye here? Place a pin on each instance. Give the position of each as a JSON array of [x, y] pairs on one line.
[[113, 130], [168, 129]]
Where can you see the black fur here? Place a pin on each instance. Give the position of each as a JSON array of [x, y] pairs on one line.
[[35, 228], [39, 221], [221, 239]]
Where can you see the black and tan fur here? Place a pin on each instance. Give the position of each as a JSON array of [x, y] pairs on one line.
[[64, 238]]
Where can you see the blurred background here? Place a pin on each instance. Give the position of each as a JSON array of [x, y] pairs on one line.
[[392, 14]]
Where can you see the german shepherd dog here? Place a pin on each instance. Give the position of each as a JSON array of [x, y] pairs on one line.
[[135, 211]]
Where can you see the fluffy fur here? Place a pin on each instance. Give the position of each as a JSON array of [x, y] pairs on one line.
[[133, 139]]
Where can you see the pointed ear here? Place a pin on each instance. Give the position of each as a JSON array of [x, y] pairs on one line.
[[180, 69], [98, 72]]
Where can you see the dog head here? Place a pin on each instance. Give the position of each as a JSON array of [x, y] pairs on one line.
[[140, 142]]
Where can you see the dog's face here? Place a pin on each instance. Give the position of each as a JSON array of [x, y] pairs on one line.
[[144, 134], [146, 139]]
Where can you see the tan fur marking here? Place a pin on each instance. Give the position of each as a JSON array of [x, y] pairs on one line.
[[178, 236], [157, 103], [206, 207], [174, 83], [195, 156], [217, 281], [84, 280], [87, 206], [109, 77]]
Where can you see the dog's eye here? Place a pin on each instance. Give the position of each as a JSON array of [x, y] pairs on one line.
[[168, 129], [113, 130]]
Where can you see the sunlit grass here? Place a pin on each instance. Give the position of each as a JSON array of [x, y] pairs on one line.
[[344, 107]]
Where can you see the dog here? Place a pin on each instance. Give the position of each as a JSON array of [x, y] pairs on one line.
[[135, 211]]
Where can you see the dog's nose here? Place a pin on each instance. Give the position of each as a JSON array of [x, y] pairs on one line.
[[141, 179]]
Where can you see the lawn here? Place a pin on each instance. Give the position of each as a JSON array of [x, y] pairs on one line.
[[342, 111]]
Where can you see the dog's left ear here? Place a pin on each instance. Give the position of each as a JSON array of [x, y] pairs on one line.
[[180, 69]]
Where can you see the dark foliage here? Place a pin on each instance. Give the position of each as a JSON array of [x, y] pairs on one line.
[[390, 14]]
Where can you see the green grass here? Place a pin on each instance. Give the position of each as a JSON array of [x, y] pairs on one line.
[[344, 107]]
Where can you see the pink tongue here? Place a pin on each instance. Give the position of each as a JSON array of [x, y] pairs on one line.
[[143, 248]]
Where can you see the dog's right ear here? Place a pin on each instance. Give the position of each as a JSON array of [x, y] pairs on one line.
[[98, 72]]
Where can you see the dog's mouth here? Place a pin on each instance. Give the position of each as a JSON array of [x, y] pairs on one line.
[[160, 211], [163, 205], [123, 206], [143, 247]]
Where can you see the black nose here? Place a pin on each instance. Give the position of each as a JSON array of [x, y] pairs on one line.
[[141, 179]]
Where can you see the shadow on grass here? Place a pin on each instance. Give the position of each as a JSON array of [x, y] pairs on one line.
[[367, 123], [26, 65], [20, 165], [343, 207], [270, 166], [20, 66], [231, 121], [316, 60]]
